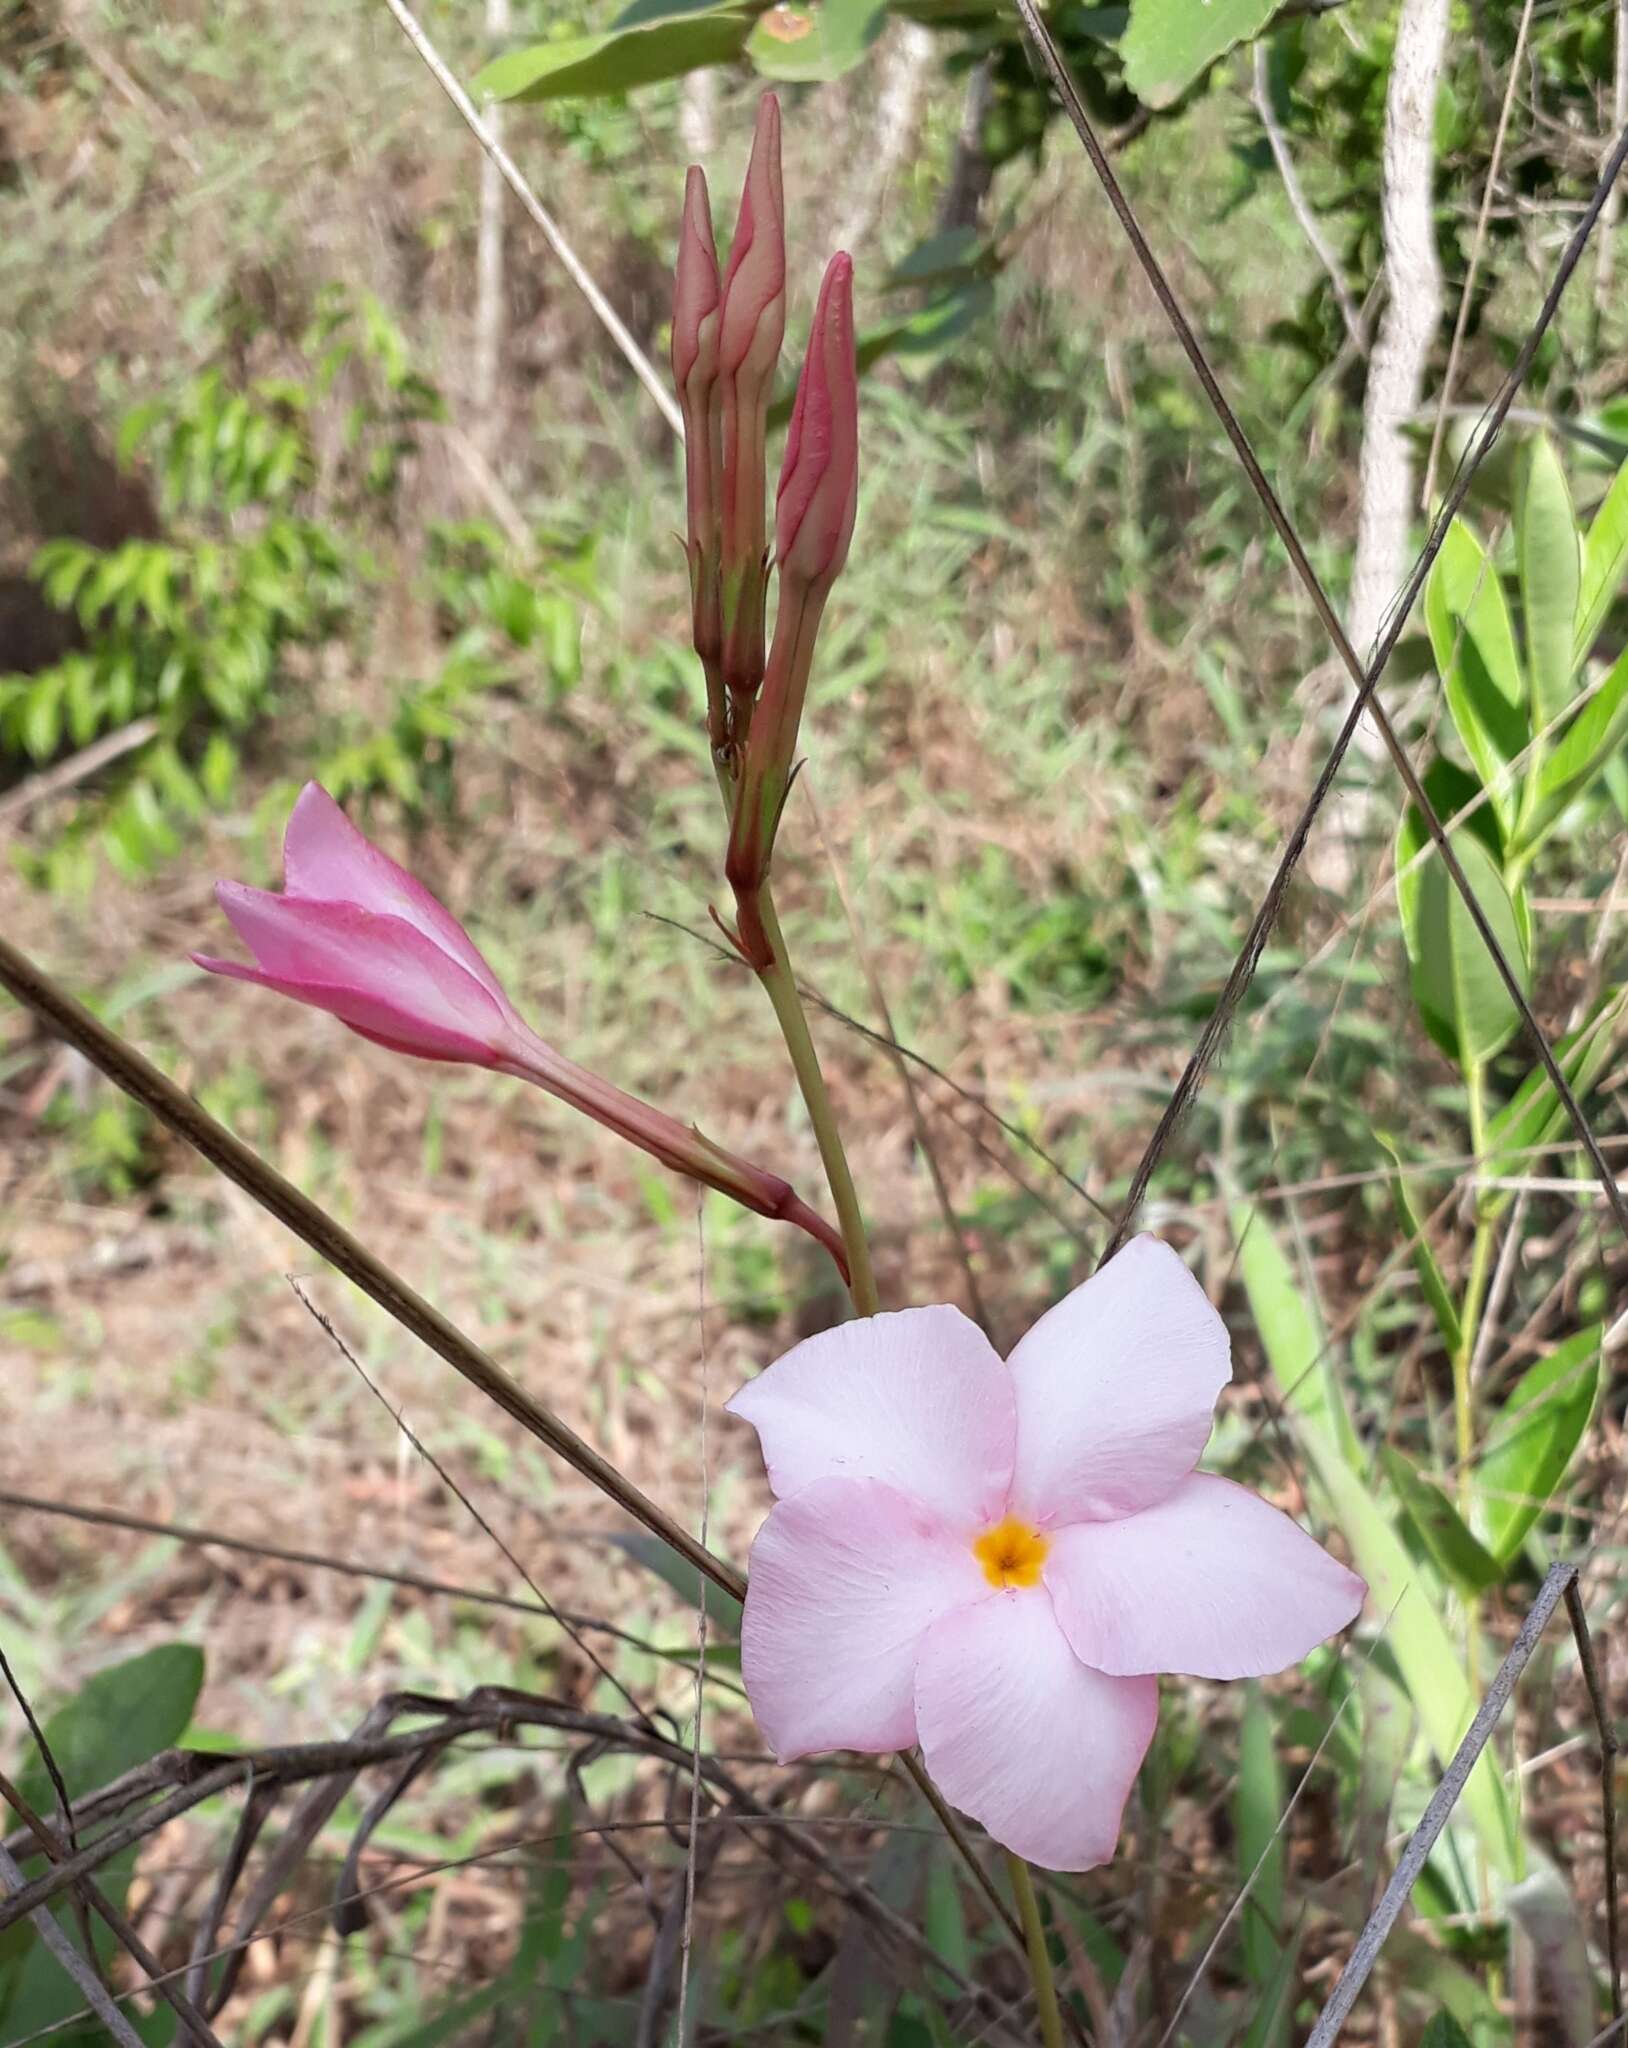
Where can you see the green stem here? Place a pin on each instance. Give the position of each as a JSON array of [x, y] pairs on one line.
[[1034, 1937], [1475, 1294], [781, 986]]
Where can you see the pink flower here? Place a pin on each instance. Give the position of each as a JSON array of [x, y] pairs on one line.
[[995, 1560], [352, 933]]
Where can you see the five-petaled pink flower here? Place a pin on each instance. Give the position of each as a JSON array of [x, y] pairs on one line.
[[994, 1560], [354, 934]]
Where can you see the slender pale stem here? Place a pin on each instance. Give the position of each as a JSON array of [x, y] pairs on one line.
[[1034, 1938], [781, 986], [1475, 1293]]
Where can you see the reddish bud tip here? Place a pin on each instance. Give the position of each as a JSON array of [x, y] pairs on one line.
[[697, 287], [819, 480], [754, 286]]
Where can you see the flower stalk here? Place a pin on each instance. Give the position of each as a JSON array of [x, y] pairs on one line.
[[1034, 1941]]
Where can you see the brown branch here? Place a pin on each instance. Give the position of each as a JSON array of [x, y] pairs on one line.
[[1609, 1746], [177, 1111]]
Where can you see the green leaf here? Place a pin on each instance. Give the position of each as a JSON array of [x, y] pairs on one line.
[[1431, 1279], [117, 1719], [1534, 1439], [1582, 753], [723, 1609], [618, 61], [1605, 558], [1546, 548], [1444, 2032], [1534, 1116], [1257, 1807], [1474, 645], [1460, 993], [1457, 1553], [801, 44], [1169, 43], [1401, 1594]]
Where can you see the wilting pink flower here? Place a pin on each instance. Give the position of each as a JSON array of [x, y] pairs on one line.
[[352, 933], [995, 1560], [819, 478]]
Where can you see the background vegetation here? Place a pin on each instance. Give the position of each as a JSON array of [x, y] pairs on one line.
[[268, 511]]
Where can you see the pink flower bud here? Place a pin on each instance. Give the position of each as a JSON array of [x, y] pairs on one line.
[[354, 934], [697, 288], [752, 324], [819, 479], [754, 286]]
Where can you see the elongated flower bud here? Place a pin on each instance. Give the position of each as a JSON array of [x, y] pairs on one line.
[[354, 934], [814, 522], [696, 314], [752, 325], [819, 479]]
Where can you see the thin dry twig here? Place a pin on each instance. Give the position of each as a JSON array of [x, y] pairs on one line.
[[1609, 1746], [1467, 295], [1365, 699], [90, 1986], [1437, 1814], [177, 1111], [573, 265], [1299, 205]]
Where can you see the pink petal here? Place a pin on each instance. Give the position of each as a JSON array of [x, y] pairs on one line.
[[1020, 1734], [377, 973], [844, 1581], [1213, 1582], [325, 857], [1115, 1388], [916, 1398]]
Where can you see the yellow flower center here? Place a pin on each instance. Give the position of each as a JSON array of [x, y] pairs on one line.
[[1011, 1553]]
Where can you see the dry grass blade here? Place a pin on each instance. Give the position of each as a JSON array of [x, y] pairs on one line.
[[175, 1109], [1366, 680], [578, 272], [1436, 1815]]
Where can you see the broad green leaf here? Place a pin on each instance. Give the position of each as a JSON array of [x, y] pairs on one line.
[[1582, 752], [1605, 559], [1474, 645], [1546, 547], [1534, 1116], [801, 44], [1169, 43], [1431, 1279], [642, 13], [1401, 1594], [1534, 1439], [118, 1718], [1444, 2032], [619, 60], [1458, 1554], [1460, 993]]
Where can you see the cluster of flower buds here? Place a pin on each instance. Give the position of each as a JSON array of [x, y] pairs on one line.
[[727, 333]]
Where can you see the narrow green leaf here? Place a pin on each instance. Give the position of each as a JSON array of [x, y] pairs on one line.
[[1534, 1115], [1169, 43], [1474, 645], [1401, 1594], [1460, 993], [723, 1609], [1605, 559], [1257, 1807], [1535, 1438], [1458, 1554], [1431, 1279], [1550, 571], [1591, 740], [618, 61]]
